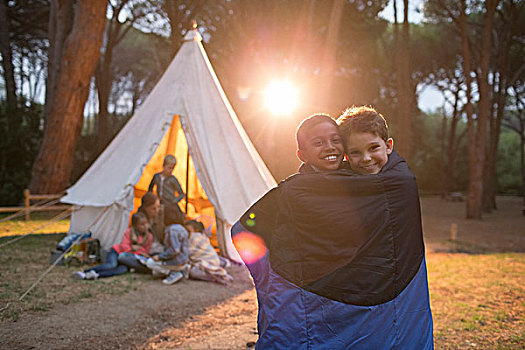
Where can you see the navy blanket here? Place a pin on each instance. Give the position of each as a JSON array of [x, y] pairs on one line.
[[355, 239]]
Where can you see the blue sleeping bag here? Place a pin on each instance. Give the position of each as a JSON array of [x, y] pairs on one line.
[[345, 265]]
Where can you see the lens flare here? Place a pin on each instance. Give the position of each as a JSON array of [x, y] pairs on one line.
[[281, 97], [251, 247]]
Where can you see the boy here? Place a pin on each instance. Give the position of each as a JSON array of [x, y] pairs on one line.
[[168, 187], [345, 267], [173, 262], [366, 139], [319, 144]]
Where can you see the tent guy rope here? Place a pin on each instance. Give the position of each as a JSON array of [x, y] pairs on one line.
[[58, 217], [79, 238]]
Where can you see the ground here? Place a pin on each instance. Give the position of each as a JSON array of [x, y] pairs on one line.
[[476, 290]]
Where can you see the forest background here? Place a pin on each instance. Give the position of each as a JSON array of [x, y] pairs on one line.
[[75, 71]]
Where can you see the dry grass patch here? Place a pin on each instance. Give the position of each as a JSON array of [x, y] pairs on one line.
[[22, 263], [20, 226], [478, 300]]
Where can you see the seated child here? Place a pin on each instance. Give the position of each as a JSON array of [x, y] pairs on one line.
[[345, 264], [167, 186], [173, 261], [206, 265], [136, 241]]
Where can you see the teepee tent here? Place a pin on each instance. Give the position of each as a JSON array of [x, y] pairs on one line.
[[187, 114]]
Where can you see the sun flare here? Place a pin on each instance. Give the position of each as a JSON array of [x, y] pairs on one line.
[[281, 97]]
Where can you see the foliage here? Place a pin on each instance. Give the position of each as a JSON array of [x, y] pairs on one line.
[[429, 155], [428, 160], [508, 173], [18, 150], [250, 41]]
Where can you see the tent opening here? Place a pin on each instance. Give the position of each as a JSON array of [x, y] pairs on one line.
[[196, 204]]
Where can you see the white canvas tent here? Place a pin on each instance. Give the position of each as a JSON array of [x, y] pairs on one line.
[[186, 113]]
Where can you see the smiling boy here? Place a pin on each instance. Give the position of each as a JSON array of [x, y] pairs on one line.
[[365, 133], [319, 144]]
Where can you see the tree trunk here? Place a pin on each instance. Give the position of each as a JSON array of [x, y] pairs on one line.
[[522, 164], [9, 72], [474, 188], [405, 102], [394, 116], [484, 110], [499, 100], [329, 54], [451, 151], [477, 136], [443, 151], [61, 17], [80, 53], [489, 195]]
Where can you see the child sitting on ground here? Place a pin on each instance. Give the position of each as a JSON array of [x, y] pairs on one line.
[[173, 261], [136, 241], [206, 265]]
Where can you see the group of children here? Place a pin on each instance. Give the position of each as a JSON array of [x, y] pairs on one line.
[[180, 250], [345, 264]]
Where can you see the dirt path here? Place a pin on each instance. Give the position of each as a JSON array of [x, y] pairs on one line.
[[157, 310]]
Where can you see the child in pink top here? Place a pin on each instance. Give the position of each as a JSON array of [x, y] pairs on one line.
[[136, 242]]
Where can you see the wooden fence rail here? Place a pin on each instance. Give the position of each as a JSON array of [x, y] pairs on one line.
[[28, 208]]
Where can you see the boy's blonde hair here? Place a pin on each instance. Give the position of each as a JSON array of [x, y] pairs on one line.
[[363, 119], [169, 159]]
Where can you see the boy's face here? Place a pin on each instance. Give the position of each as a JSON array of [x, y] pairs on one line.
[[142, 226], [367, 153], [167, 169], [322, 146]]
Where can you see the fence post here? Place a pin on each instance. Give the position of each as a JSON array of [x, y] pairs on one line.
[[453, 232], [27, 204]]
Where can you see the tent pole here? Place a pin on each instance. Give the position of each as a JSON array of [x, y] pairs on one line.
[[187, 179]]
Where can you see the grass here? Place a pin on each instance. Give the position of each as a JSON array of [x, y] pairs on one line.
[[20, 226], [22, 262], [477, 300]]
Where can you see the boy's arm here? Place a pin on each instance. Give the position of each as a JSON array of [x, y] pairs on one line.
[[152, 183], [178, 189]]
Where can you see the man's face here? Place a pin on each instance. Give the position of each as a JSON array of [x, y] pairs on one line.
[[322, 146], [367, 153]]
